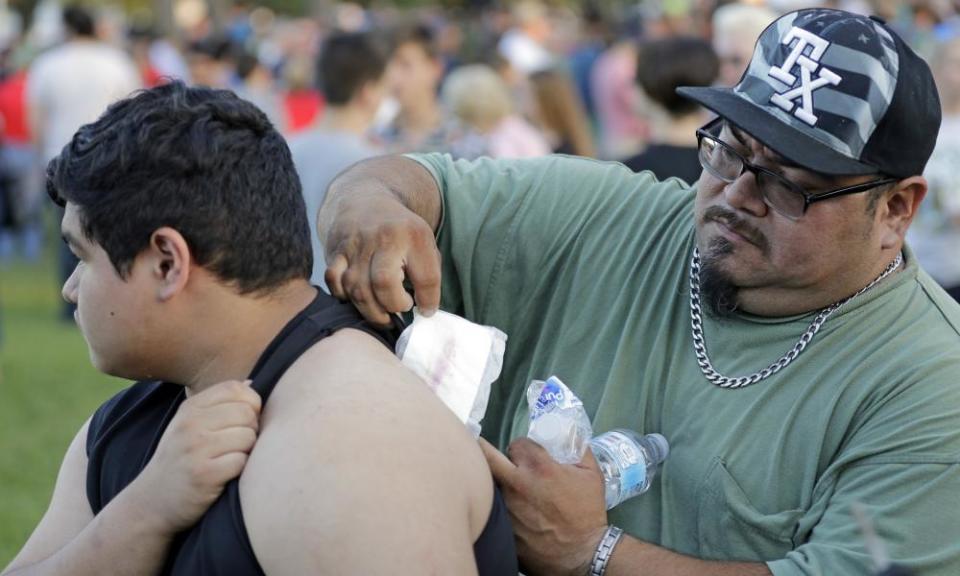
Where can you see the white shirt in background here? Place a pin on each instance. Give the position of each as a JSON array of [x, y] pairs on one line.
[[72, 85]]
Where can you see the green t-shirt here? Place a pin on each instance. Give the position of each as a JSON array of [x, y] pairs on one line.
[[585, 266]]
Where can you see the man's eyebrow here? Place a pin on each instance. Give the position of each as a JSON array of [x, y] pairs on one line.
[[741, 136], [737, 133]]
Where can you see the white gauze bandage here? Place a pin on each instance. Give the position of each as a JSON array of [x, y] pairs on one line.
[[458, 360]]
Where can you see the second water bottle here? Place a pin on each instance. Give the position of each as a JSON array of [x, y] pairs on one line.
[[628, 461]]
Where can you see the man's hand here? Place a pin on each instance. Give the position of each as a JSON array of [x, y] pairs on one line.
[[558, 511], [371, 247], [377, 227], [205, 446]]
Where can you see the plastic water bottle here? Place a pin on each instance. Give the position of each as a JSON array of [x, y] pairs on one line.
[[628, 461]]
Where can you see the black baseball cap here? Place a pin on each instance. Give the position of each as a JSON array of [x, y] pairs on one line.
[[835, 92]]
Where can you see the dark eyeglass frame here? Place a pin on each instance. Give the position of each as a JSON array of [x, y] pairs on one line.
[[808, 198]]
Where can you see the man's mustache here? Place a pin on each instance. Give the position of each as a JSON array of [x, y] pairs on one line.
[[730, 219]]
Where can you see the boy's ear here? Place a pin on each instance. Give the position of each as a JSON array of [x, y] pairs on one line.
[[170, 260]]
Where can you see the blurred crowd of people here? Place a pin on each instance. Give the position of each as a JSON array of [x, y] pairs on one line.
[[503, 80]]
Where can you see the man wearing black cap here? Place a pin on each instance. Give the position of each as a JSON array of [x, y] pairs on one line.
[[770, 322]]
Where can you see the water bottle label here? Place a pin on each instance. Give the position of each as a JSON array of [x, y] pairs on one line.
[[633, 477], [552, 395], [627, 459]]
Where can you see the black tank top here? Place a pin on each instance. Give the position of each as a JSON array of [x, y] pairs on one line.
[[124, 433]]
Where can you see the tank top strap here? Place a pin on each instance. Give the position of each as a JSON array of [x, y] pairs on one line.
[[324, 316]]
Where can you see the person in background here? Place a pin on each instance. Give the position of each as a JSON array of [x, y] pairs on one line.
[[140, 39], [350, 71], [302, 102], [254, 83], [560, 113], [207, 60], [480, 99], [664, 66], [621, 130], [19, 169], [517, 82], [935, 235], [735, 27], [524, 45], [414, 73], [594, 38], [168, 61], [71, 85]]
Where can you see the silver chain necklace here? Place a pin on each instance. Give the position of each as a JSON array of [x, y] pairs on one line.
[[700, 347]]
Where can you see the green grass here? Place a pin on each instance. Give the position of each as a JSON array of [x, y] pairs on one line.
[[47, 390]]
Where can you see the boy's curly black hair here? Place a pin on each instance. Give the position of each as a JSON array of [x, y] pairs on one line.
[[201, 161]]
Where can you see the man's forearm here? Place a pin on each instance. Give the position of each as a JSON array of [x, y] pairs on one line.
[[124, 539], [634, 557], [395, 176]]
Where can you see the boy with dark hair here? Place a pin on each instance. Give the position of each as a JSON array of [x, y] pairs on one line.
[[348, 63], [79, 22], [350, 71], [413, 78], [184, 208]]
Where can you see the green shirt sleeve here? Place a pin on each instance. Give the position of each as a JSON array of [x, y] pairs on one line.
[[518, 219]]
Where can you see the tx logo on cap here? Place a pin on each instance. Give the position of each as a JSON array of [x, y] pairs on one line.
[[808, 64]]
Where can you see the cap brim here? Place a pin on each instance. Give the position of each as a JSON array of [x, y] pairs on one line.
[[773, 133]]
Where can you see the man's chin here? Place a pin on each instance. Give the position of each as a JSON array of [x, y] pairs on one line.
[[718, 289]]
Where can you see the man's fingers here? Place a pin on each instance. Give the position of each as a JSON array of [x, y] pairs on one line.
[[589, 461], [371, 310], [504, 471], [524, 452], [334, 276], [356, 284], [386, 279], [423, 270]]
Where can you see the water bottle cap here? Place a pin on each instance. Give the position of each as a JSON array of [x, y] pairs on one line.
[[660, 447]]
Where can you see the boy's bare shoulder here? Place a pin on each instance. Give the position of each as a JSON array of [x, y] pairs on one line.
[[350, 439]]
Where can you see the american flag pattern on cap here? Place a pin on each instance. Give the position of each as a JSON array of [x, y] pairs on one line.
[[827, 75], [835, 92]]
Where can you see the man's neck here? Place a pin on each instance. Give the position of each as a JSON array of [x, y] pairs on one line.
[[347, 119], [230, 334], [777, 302]]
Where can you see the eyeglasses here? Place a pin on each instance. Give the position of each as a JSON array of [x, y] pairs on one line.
[[788, 199]]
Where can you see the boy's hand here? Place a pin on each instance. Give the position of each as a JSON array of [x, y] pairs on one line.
[[205, 446]]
